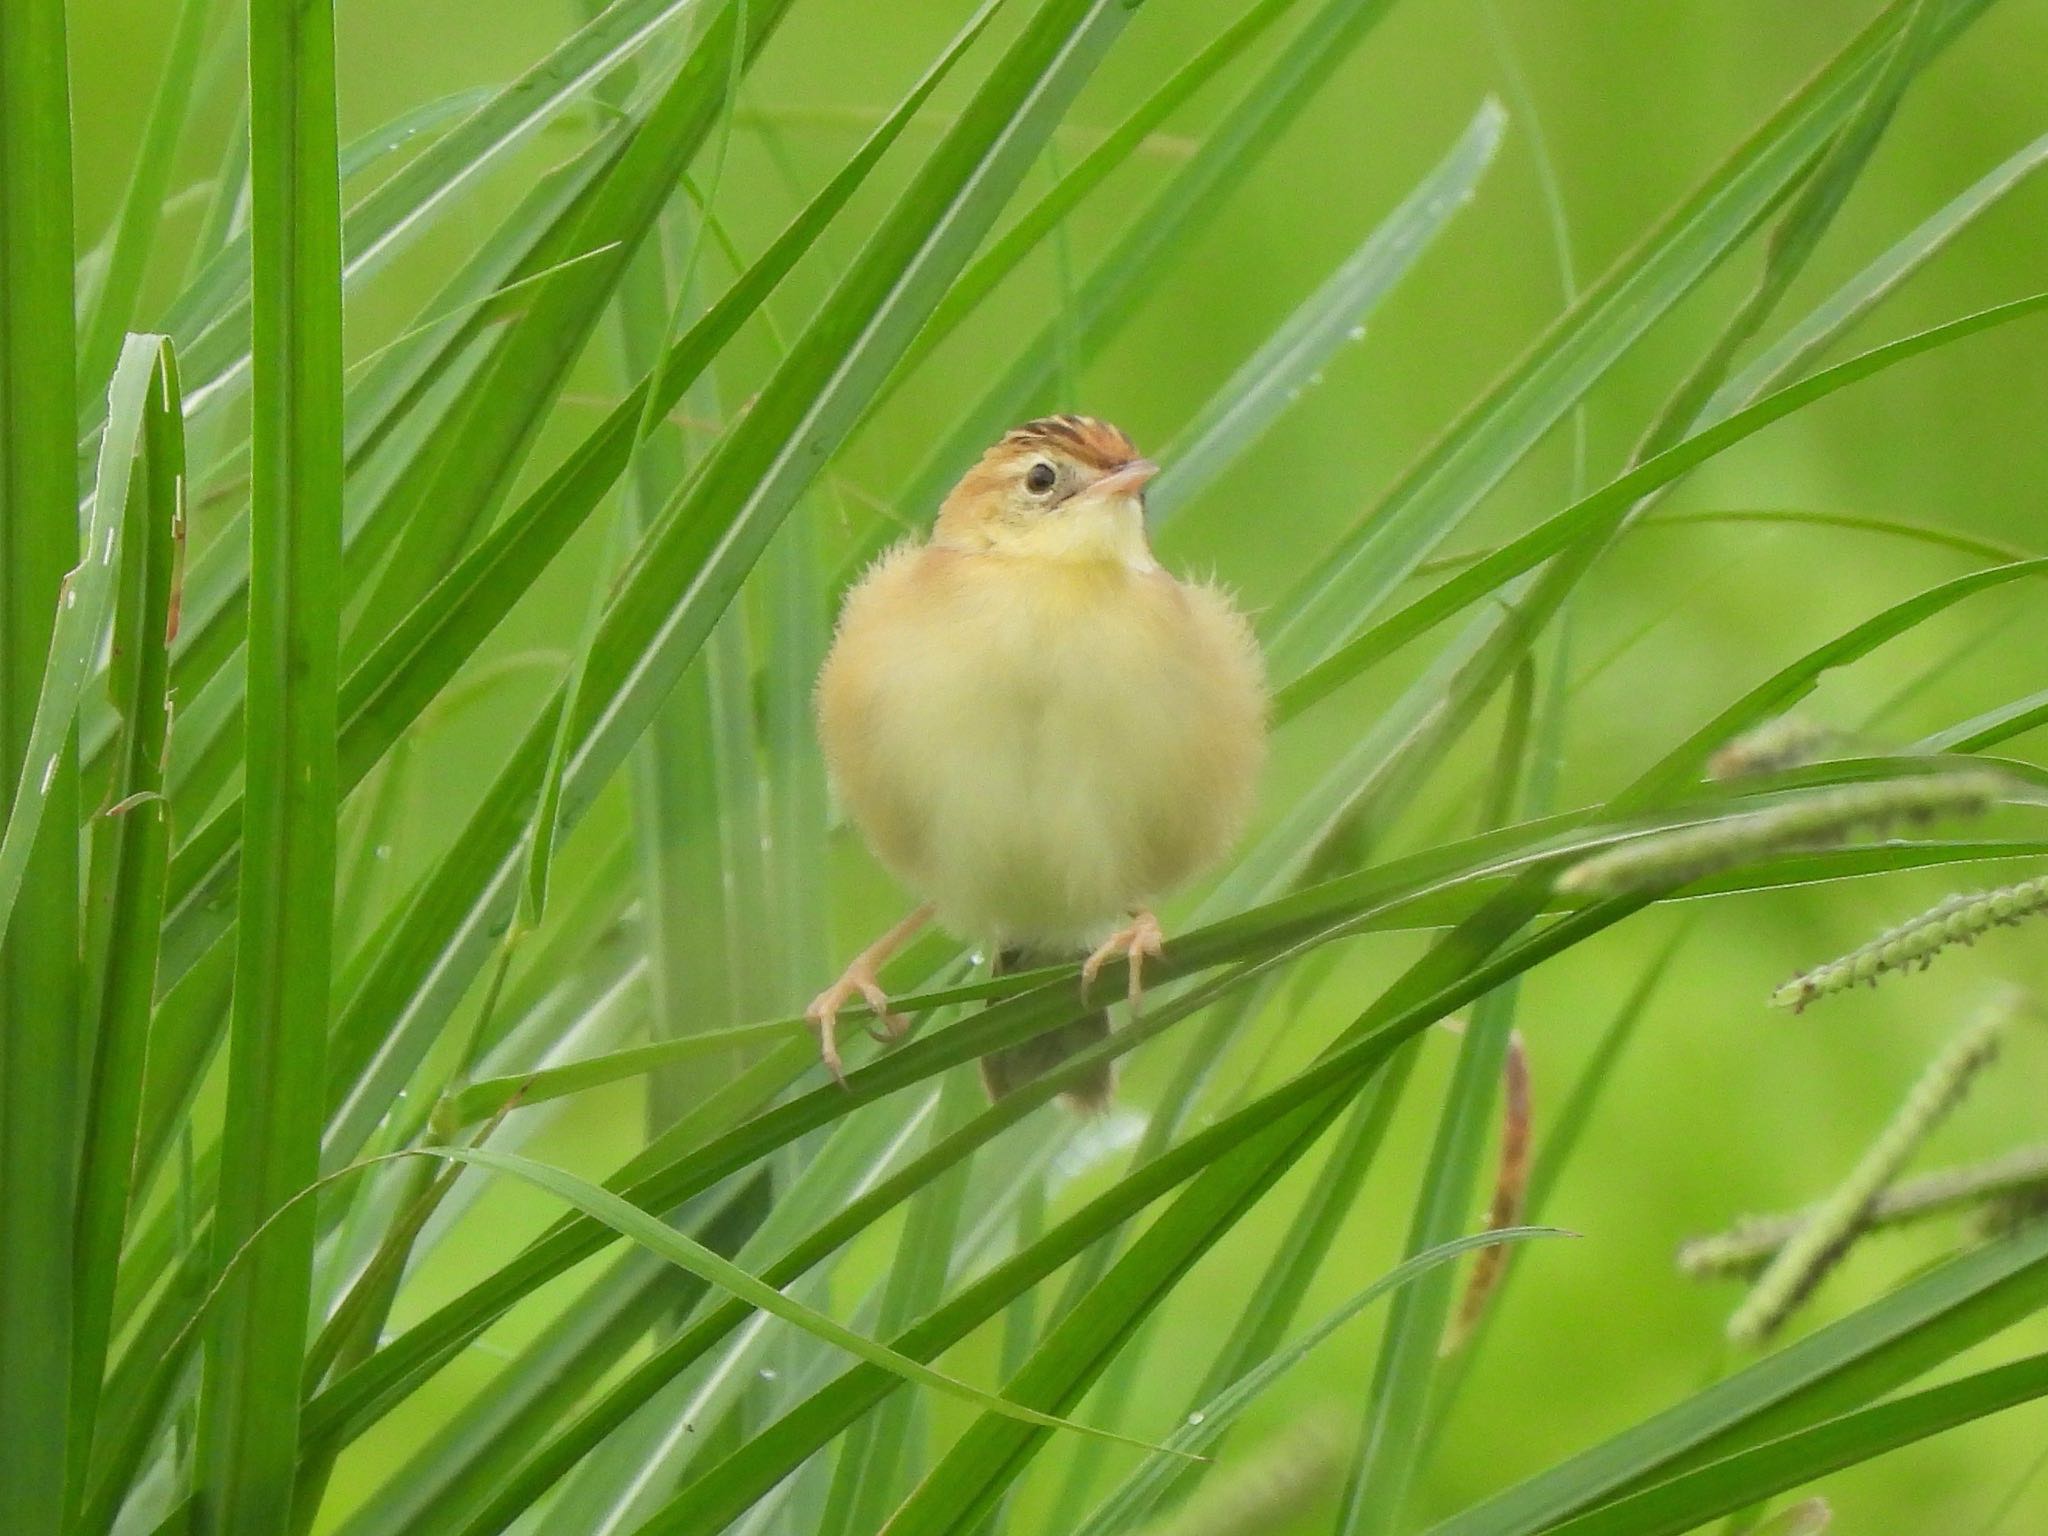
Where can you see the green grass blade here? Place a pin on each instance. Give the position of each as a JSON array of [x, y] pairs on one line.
[[1726, 1486], [212, 317], [1606, 507], [630, 1221], [130, 852], [1160, 233], [80, 622], [109, 306], [1140, 1493], [1293, 358], [446, 495], [1584, 343], [249, 1406], [1805, 341], [1841, 1367], [1031, 228], [1391, 1447], [39, 978]]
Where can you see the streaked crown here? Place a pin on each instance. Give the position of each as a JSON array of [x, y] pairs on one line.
[[1094, 444]]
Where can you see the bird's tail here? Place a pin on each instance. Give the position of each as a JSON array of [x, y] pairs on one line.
[[1007, 1070]]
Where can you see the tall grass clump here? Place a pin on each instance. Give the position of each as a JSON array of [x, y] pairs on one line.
[[416, 549]]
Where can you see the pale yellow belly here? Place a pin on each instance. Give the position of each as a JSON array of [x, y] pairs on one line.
[[1037, 762]]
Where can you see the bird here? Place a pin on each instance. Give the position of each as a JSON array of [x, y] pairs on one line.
[[1038, 730]]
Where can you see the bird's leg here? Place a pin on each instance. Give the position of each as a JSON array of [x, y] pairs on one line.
[[860, 978], [1135, 940]]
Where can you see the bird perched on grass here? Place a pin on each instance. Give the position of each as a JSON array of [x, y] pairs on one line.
[[1037, 728]]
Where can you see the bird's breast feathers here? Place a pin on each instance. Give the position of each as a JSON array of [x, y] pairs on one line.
[[1038, 745]]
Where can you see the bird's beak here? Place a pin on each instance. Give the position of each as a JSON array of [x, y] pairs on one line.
[[1127, 481]]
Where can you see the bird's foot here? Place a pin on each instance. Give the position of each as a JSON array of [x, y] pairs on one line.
[[859, 980], [1133, 942]]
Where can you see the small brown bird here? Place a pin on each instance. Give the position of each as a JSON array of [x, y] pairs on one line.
[[1037, 728]]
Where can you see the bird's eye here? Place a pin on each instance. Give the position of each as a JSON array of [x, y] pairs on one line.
[[1040, 478]]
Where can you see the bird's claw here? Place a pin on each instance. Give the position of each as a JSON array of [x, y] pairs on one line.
[[1132, 942], [823, 1015]]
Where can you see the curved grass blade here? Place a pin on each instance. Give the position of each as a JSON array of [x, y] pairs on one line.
[[130, 850], [1844, 1365], [80, 622], [1606, 507], [630, 1221], [1726, 1486], [249, 1403], [1435, 495], [39, 975], [1139, 1494], [108, 307], [1293, 357]]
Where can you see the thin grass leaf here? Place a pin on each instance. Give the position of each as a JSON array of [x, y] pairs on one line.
[[1805, 341], [1435, 495], [249, 1406], [1738, 1481], [1148, 1485], [1840, 1368], [212, 316], [630, 1221], [1606, 507], [1292, 359], [130, 853], [108, 305], [80, 618], [1107, 297], [39, 974]]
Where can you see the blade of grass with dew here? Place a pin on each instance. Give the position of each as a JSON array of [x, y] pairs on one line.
[[108, 305], [130, 844], [1109, 294], [212, 317], [249, 1406], [612, 1492], [1291, 360], [1391, 1448], [1843, 1366], [79, 628], [1608, 505], [686, 571], [390, 687], [630, 1221], [1150, 1483], [1435, 495], [39, 977], [449, 493]]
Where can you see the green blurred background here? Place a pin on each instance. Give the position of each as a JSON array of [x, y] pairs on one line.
[[1723, 1107]]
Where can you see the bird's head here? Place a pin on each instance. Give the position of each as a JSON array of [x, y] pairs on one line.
[[1061, 487]]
